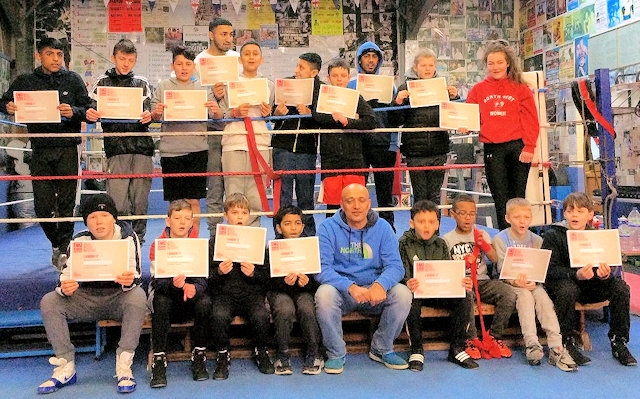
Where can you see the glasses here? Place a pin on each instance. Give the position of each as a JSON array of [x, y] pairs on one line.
[[465, 213]]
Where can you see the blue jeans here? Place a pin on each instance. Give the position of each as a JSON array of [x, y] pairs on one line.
[[331, 305], [286, 160]]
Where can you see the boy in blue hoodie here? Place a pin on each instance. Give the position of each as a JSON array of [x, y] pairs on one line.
[[361, 270]]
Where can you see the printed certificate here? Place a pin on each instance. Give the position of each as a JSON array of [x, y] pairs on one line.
[[185, 105], [218, 69], [427, 92], [439, 278], [37, 106], [252, 91], [592, 247], [454, 115], [531, 261], [188, 256], [240, 243], [375, 87], [295, 255], [98, 260], [120, 102], [292, 92], [338, 99]]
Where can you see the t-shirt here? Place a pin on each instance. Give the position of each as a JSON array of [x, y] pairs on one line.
[[505, 239], [460, 245]]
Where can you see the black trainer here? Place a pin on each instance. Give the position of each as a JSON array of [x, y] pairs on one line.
[[199, 365], [223, 363], [263, 361], [572, 348], [159, 371], [462, 359], [621, 352]]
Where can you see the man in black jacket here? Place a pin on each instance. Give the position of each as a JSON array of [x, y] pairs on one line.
[[54, 156]]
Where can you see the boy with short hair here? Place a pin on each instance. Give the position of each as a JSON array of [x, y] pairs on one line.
[[531, 298], [292, 298], [588, 284], [127, 154], [175, 299], [421, 242], [238, 289], [462, 242], [121, 300], [183, 154]]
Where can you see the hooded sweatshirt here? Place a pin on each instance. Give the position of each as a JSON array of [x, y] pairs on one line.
[[414, 248], [507, 112], [358, 256]]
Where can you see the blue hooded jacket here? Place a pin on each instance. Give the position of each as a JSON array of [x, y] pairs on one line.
[[358, 256]]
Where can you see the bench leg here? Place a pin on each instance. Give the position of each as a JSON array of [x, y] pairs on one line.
[[582, 330]]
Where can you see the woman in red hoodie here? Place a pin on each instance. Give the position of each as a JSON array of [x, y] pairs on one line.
[[509, 125]]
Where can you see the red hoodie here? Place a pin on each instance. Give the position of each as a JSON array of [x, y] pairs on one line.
[[507, 112]]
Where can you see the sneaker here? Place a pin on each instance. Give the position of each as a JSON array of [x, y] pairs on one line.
[[312, 365], [462, 359], [534, 354], [263, 361], [335, 365], [63, 374], [504, 349], [472, 350], [392, 360], [282, 366], [574, 352], [126, 382], [199, 364], [223, 363], [159, 371], [621, 352], [561, 358], [416, 361]]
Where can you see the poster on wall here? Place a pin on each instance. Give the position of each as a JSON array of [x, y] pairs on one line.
[[195, 37], [294, 25], [582, 56], [326, 19], [125, 16]]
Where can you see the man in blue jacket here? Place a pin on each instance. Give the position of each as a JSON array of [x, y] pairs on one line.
[[361, 270]]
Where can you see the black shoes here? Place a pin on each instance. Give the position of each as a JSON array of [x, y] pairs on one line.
[[199, 365], [620, 351], [263, 361], [159, 371], [572, 348], [223, 363], [461, 358]]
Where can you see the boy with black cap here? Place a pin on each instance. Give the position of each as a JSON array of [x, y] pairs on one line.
[[299, 151], [121, 300]]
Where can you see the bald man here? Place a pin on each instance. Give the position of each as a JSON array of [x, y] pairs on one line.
[[361, 270]]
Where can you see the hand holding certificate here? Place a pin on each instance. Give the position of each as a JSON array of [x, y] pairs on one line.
[[338, 99], [185, 105], [295, 255], [293, 92], [218, 69], [593, 247], [427, 92], [529, 261], [37, 106], [252, 92], [120, 102], [375, 87], [188, 256], [98, 260], [240, 243], [439, 278], [455, 115]]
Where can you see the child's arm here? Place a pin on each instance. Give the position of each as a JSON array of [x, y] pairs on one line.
[[366, 117]]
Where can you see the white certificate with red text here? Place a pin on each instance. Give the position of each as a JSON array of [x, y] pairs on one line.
[[224, 69], [338, 99], [292, 92], [251, 91], [240, 243], [456, 115], [185, 105], [427, 92], [375, 87], [592, 247], [530, 261], [188, 256], [37, 106], [439, 278], [98, 260], [294, 255], [120, 102]]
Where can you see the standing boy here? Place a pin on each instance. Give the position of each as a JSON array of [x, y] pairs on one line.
[[421, 242], [291, 298], [588, 284], [121, 300], [127, 154], [54, 156], [531, 298], [175, 299]]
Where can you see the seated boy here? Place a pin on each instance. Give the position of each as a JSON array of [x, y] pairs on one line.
[[121, 300], [292, 297], [421, 242], [238, 289], [531, 298], [176, 299], [462, 241], [588, 284]]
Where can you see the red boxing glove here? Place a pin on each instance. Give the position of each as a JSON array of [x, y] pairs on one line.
[[480, 242]]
